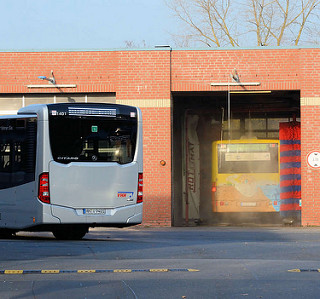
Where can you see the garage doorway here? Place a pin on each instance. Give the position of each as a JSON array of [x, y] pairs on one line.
[[202, 118]]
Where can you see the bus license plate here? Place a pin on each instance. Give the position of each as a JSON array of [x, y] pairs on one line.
[[94, 211]]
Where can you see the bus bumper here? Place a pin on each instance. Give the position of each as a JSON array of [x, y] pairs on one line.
[[127, 215]]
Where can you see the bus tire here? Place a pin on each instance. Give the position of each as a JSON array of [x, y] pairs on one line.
[[69, 233]]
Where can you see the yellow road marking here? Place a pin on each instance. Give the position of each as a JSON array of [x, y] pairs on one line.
[[122, 271], [50, 271], [55, 271], [193, 270], [13, 271], [159, 270], [86, 271]]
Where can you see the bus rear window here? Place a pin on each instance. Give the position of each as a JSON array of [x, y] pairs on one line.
[[76, 138], [248, 158]]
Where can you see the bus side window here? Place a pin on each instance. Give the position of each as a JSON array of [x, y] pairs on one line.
[[17, 152], [5, 157]]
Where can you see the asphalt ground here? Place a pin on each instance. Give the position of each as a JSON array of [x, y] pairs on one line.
[[186, 262]]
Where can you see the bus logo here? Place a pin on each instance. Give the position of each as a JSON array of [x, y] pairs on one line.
[[126, 195]]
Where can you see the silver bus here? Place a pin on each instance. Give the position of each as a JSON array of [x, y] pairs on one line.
[[67, 167]]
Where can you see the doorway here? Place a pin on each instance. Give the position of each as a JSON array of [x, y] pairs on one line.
[[202, 118]]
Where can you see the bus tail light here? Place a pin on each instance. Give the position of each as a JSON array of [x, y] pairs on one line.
[[140, 188], [43, 192], [213, 197]]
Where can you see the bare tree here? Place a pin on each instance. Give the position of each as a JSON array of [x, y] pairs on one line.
[[182, 40], [209, 20], [130, 44], [278, 21], [274, 22], [307, 9], [312, 32], [257, 10]]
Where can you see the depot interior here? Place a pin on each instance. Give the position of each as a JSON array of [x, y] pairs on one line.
[[221, 116]]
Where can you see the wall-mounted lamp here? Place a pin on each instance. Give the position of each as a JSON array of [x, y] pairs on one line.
[[235, 81], [51, 80], [234, 76]]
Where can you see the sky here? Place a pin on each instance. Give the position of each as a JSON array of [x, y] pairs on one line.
[[84, 24]]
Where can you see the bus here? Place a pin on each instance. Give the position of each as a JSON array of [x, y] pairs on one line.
[[245, 176], [70, 166]]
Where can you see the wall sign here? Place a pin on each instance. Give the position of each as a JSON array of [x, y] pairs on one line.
[[313, 159]]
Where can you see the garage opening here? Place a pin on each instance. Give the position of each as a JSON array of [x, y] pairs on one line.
[[231, 152]]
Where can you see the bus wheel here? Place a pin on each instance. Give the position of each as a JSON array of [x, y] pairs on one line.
[[70, 233]]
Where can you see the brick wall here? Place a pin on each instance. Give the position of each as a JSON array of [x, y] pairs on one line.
[[157, 178], [310, 124], [275, 69], [91, 71], [142, 78]]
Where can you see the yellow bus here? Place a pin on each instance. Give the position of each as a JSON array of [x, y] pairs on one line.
[[245, 176]]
